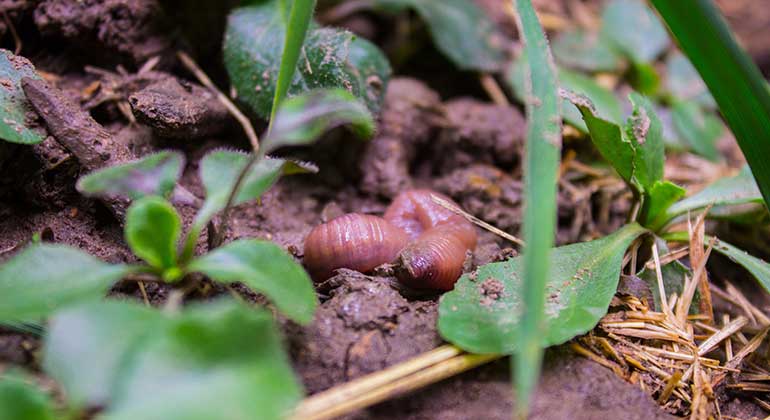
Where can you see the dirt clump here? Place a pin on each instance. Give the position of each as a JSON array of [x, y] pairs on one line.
[[480, 132], [134, 29], [364, 326], [178, 109], [491, 289], [410, 116]]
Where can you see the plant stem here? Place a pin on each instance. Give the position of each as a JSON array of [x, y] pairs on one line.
[[222, 230], [234, 111]]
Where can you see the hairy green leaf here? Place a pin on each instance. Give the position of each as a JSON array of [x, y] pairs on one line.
[[13, 103], [86, 344], [540, 178], [699, 130], [583, 50], [152, 231], [219, 172], [483, 313], [461, 30], [305, 117], [634, 29], [20, 400], [221, 360], [45, 277], [733, 79], [331, 58], [265, 268], [155, 174]]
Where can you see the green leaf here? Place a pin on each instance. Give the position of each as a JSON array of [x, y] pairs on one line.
[[20, 400], [45, 277], [152, 231], [673, 275], [219, 172], [685, 84], [644, 78], [461, 30], [725, 192], [634, 29], [605, 102], [699, 130], [85, 346], [757, 267], [265, 268], [14, 105], [304, 118], [661, 196], [540, 178], [221, 360], [154, 174], [637, 150], [332, 58], [582, 280], [733, 79], [296, 28], [583, 50]]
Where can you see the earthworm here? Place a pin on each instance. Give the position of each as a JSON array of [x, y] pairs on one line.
[[426, 242]]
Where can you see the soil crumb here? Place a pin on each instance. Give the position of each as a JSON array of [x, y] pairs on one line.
[[491, 290]]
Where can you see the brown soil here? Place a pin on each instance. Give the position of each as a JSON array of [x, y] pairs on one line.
[[462, 146]]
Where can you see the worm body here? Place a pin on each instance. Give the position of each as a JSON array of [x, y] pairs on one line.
[[357, 241], [426, 241]]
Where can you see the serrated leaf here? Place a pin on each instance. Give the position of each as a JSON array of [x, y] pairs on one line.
[[461, 31], [14, 106], [636, 150], [332, 58], [634, 29], [605, 102], [583, 50], [583, 278], [221, 360], [85, 346], [724, 193], [265, 268], [20, 400], [152, 231], [684, 82], [660, 197], [155, 174], [45, 277], [219, 172], [304, 118], [699, 130]]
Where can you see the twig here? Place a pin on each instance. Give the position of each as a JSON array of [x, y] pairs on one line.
[[493, 89], [473, 219], [16, 40], [144, 293], [661, 288], [401, 386], [190, 64]]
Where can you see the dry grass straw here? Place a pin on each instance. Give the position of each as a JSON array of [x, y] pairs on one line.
[[680, 359]]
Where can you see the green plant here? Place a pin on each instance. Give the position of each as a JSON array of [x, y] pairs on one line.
[[733, 79]]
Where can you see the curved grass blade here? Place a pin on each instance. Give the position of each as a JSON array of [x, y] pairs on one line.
[[540, 177], [731, 76], [299, 19]]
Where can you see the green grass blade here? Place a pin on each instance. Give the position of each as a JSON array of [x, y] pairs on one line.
[[731, 76], [540, 177], [299, 20]]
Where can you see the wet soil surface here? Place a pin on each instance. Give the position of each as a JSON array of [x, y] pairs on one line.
[[457, 144]]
